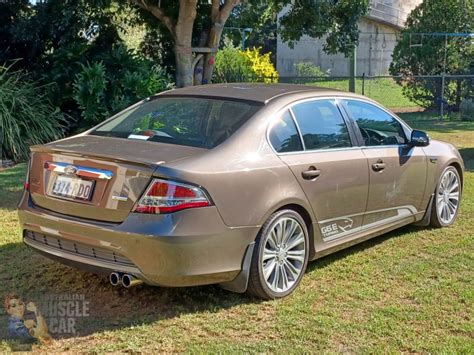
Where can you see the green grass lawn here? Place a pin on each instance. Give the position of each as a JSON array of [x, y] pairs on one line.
[[410, 291], [384, 90], [459, 133]]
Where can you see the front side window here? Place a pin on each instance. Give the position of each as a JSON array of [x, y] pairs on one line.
[[321, 124], [284, 136], [197, 122], [376, 126]]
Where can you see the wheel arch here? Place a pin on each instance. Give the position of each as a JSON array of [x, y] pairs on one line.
[[426, 220], [458, 167], [240, 283]]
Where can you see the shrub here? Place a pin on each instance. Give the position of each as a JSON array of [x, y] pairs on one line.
[[89, 92], [105, 87], [231, 66], [234, 65], [466, 109], [261, 65], [26, 116], [308, 69]]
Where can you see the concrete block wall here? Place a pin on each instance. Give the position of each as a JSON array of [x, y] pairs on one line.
[[378, 37]]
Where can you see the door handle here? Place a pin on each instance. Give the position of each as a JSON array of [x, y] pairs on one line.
[[311, 174], [379, 166]]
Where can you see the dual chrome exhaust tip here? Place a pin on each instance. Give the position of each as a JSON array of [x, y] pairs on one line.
[[125, 280]]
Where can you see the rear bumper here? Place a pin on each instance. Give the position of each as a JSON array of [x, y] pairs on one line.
[[186, 248]]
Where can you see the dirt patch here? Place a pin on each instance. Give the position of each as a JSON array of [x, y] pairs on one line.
[[407, 109], [6, 164]]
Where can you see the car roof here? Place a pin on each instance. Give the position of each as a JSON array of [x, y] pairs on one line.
[[256, 92]]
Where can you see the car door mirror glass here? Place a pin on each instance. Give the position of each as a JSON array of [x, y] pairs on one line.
[[419, 138]]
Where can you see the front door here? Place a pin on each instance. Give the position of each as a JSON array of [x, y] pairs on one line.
[[332, 172], [397, 171]]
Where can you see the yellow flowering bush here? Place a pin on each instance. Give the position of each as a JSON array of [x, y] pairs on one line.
[[261, 65], [234, 65]]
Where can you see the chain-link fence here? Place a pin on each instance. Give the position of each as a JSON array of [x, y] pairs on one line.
[[403, 93], [383, 48], [444, 92]]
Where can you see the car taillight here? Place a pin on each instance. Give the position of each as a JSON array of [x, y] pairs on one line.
[[163, 196], [26, 184]]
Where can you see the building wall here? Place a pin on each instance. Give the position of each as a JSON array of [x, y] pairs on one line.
[[378, 37], [394, 12]]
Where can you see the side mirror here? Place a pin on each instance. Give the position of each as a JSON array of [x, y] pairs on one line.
[[419, 138]]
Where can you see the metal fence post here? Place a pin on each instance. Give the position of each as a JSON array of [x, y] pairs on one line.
[[353, 69], [363, 83], [442, 94], [444, 73]]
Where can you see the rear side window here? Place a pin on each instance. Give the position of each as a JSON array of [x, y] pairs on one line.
[[322, 125], [376, 126], [284, 136], [198, 122]]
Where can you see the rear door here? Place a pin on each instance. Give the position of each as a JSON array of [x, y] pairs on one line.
[[313, 139], [397, 171]]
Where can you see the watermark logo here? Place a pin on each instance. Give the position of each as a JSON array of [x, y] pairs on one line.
[[62, 312], [45, 317]]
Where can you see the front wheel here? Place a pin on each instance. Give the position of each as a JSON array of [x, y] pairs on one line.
[[280, 256], [447, 198]]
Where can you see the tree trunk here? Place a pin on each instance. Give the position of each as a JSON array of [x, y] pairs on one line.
[[219, 16], [210, 59], [183, 38], [184, 70], [199, 68], [458, 93], [182, 31]]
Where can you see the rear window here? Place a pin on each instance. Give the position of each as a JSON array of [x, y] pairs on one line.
[[196, 122]]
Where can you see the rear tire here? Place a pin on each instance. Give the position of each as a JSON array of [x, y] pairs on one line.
[[280, 256], [446, 199]]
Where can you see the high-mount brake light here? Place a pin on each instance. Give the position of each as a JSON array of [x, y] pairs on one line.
[[164, 196]]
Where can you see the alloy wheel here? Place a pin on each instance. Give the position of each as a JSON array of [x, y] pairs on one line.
[[447, 198], [284, 255]]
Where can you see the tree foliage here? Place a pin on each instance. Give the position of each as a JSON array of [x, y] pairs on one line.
[[55, 40], [337, 20], [26, 116], [261, 19], [419, 53], [199, 23], [114, 82]]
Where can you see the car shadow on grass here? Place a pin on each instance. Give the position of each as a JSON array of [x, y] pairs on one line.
[[468, 157], [36, 278], [361, 247]]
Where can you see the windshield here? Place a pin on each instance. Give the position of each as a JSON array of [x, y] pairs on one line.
[[197, 122]]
